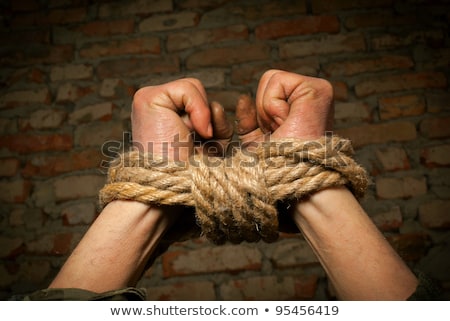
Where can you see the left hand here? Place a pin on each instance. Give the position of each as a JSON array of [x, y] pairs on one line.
[[288, 105]]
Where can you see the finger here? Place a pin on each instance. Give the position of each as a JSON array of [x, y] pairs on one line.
[[222, 128], [245, 115], [246, 121], [263, 119], [188, 95], [274, 97]]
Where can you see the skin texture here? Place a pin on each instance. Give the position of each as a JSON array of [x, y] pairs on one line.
[[358, 260]]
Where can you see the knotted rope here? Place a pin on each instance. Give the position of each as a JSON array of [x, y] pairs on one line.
[[235, 197]]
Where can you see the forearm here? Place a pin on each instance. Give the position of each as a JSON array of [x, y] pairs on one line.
[[358, 260], [114, 251]]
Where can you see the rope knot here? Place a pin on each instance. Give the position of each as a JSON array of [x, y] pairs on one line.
[[235, 197]]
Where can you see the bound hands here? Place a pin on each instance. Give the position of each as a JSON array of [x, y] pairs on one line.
[[357, 258], [287, 105]]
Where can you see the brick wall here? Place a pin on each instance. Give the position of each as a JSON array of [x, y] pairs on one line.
[[69, 69]]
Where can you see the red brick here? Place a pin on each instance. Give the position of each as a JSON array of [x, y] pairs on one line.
[[25, 97], [292, 253], [10, 247], [35, 272], [139, 7], [227, 98], [226, 56], [366, 65], [210, 78], [300, 26], [62, 243], [268, 288], [72, 71], [16, 217], [33, 75], [252, 72], [434, 59], [112, 88], [401, 106], [351, 42], [16, 191], [408, 81], [193, 4], [77, 186], [8, 275], [50, 17], [43, 119], [388, 221], [326, 6], [400, 187], [52, 165], [226, 258], [185, 40], [392, 41], [7, 126], [86, 114], [171, 21], [27, 143], [384, 19], [69, 92], [26, 36], [186, 291], [271, 9], [340, 90], [352, 111], [436, 156], [79, 214], [42, 54], [438, 102], [136, 67], [379, 133], [9, 167], [31, 219], [107, 28], [51, 244], [147, 45], [435, 127], [411, 247], [392, 158], [67, 3], [435, 214], [104, 132]]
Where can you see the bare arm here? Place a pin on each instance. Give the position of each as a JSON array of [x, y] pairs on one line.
[[115, 250], [359, 261]]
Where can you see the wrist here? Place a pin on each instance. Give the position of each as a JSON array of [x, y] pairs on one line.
[[121, 240]]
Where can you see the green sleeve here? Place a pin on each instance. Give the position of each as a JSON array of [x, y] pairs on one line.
[[127, 294]]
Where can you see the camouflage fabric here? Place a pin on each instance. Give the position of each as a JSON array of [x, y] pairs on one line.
[[127, 294], [426, 290]]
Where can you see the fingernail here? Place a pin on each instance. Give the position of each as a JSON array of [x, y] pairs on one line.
[[210, 130]]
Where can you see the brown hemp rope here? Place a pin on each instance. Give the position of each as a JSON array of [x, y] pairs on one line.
[[235, 197]]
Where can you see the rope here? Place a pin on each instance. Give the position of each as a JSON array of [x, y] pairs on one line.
[[235, 197]]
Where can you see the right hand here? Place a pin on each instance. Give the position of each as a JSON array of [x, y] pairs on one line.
[[164, 118]]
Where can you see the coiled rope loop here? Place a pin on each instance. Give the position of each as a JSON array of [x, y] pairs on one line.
[[235, 197]]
